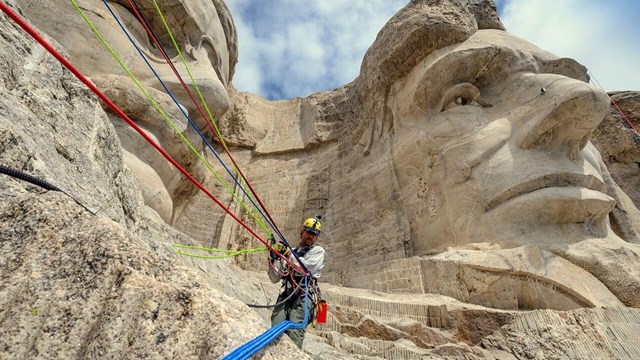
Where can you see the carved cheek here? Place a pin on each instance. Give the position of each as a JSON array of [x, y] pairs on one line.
[[456, 126]]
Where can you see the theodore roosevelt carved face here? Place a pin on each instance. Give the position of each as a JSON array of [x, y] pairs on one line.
[[491, 144], [506, 198]]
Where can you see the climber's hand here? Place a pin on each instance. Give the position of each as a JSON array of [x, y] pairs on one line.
[[281, 249]]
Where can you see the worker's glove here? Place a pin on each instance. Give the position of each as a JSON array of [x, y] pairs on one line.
[[280, 248]]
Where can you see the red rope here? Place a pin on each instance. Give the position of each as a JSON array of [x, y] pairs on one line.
[[34, 34], [615, 105], [623, 116], [153, 37]]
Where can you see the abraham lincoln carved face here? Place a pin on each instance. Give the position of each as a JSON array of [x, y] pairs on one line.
[[205, 36]]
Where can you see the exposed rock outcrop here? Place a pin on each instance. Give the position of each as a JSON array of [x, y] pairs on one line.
[[619, 145], [467, 215], [92, 274]]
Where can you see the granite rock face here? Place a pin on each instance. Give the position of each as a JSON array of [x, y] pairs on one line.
[[90, 273], [466, 214], [617, 140]]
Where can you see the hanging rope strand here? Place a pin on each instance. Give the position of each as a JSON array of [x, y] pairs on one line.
[[631, 127], [36, 36], [153, 37], [301, 267], [215, 131], [284, 241], [229, 253], [258, 220]]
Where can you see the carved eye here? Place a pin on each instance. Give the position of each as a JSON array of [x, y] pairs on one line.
[[462, 94]]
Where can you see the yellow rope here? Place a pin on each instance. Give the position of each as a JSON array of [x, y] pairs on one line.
[[162, 113], [211, 119], [229, 253]]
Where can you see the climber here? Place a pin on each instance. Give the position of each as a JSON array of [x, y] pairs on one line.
[[312, 256]]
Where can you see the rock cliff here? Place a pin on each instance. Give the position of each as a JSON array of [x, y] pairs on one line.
[[467, 214]]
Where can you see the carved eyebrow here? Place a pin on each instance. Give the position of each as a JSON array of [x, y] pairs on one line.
[[491, 63], [442, 73], [566, 67]]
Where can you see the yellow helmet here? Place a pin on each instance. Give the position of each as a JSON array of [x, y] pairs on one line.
[[312, 225]]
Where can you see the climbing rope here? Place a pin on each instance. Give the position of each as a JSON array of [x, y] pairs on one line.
[[171, 123], [28, 178], [157, 107], [154, 38], [216, 132], [259, 342], [36, 36], [634, 133], [226, 186], [278, 303], [228, 253], [253, 346], [43, 184]]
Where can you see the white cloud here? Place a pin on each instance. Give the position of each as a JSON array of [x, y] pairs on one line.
[[602, 35], [290, 48]]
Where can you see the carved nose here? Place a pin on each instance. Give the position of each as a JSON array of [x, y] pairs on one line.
[[564, 118], [206, 81]]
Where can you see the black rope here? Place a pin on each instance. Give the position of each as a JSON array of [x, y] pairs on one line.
[[26, 177], [293, 292], [39, 182], [274, 305]]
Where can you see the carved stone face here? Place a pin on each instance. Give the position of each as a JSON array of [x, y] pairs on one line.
[[195, 26], [205, 36], [490, 143]]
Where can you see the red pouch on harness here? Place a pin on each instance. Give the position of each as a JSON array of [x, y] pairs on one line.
[[322, 312]]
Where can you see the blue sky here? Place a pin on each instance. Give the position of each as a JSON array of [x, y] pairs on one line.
[[290, 48]]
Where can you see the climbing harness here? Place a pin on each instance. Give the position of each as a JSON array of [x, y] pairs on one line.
[[277, 303]]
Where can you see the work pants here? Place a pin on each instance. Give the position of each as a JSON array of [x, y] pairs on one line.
[[292, 310]]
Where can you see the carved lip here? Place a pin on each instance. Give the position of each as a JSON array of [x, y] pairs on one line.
[[557, 180]]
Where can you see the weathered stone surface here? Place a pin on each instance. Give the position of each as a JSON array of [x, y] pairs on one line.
[[618, 143], [449, 183], [468, 331], [206, 35], [102, 282]]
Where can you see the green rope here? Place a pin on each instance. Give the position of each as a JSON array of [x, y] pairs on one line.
[[211, 119], [184, 62], [229, 253], [162, 113]]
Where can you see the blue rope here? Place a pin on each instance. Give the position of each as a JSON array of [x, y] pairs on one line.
[[253, 346], [192, 124], [258, 343]]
